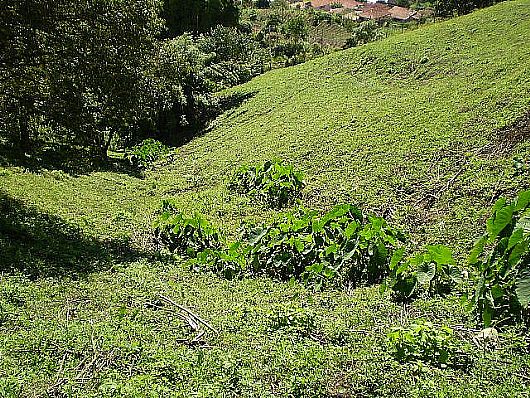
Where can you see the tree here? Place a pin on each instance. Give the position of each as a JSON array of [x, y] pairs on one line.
[[296, 28], [184, 93], [78, 67], [25, 28], [447, 8], [198, 16], [233, 57]]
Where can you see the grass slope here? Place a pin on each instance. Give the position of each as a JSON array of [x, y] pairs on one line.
[[420, 127]]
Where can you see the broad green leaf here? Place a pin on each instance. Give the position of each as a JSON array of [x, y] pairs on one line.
[[522, 288], [515, 238], [331, 249], [441, 254], [524, 222], [498, 221], [396, 258], [350, 229], [523, 200], [518, 251], [477, 250], [497, 291], [299, 245], [426, 273]]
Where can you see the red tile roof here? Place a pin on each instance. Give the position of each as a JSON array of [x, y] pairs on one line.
[[401, 13]]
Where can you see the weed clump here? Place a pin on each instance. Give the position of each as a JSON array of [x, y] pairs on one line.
[[422, 342], [184, 235], [342, 247], [144, 154]]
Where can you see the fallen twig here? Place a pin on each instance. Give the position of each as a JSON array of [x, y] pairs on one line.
[[189, 312]]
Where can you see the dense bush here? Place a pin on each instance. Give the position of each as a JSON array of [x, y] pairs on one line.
[[501, 264], [184, 235], [275, 183], [422, 342], [184, 98], [79, 67], [340, 247], [448, 8], [146, 152], [431, 272], [196, 16]]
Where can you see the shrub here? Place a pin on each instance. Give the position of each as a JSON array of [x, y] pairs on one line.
[[501, 262], [365, 32], [275, 183], [187, 236], [146, 153], [340, 247], [431, 272], [422, 342]]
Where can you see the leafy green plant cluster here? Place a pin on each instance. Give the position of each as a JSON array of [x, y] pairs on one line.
[[228, 262], [341, 247], [146, 153], [184, 235], [423, 342], [430, 273], [276, 183], [501, 261]]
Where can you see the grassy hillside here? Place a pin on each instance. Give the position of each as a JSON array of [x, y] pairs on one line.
[[421, 127]]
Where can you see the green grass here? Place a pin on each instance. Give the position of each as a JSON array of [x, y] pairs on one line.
[[415, 127]]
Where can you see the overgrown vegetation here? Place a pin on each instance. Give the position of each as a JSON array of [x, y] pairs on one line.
[[423, 342], [184, 235], [341, 247], [422, 129], [275, 183], [430, 273], [146, 153], [500, 261]]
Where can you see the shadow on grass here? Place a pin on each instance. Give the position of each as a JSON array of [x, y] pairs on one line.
[[41, 245], [72, 160]]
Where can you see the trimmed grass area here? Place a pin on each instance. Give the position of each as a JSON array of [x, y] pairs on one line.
[[421, 128]]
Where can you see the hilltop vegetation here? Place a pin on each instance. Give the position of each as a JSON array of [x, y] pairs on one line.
[[427, 129]]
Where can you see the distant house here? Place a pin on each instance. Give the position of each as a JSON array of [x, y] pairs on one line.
[[402, 14], [422, 14], [375, 12]]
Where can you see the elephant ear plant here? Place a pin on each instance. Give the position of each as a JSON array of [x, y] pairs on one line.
[[184, 235], [427, 273], [274, 183], [501, 264]]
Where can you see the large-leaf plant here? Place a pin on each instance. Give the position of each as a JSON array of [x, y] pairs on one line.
[[501, 261]]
